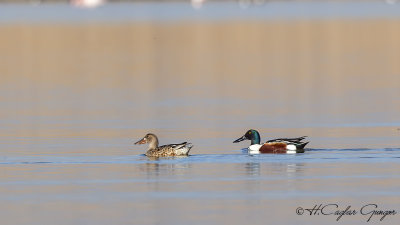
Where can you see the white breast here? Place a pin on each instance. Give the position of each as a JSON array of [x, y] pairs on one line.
[[254, 149]]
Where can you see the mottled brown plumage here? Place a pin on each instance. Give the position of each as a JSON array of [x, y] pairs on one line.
[[154, 150]]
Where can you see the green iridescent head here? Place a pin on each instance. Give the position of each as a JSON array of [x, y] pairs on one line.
[[251, 135]]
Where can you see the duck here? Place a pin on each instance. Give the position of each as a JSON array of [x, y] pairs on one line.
[[279, 145], [154, 150]]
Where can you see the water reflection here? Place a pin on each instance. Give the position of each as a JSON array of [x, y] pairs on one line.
[[161, 169], [252, 169], [259, 169], [295, 168]]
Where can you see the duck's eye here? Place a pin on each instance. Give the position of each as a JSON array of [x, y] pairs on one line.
[[249, 132]]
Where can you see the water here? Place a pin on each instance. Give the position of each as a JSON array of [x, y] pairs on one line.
[[76, 94], [212, 11], [203, 188]]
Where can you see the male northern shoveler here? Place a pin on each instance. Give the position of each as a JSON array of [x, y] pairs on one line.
[[164, 150], [280, 145]]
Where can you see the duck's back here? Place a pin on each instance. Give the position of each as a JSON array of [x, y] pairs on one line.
[[170, 150]]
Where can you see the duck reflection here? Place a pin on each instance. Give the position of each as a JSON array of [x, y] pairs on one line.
[[156, 167], [257, 169], [294, 168], [162, 174], [252, 169]]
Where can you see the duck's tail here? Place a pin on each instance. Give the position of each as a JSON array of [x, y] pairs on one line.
[[184, 148], [301, 145]]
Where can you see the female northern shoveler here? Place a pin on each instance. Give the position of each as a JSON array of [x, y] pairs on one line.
[[165, 150], [280, 145]]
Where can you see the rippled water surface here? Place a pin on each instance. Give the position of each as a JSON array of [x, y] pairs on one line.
[[121, 187], [76, 93]]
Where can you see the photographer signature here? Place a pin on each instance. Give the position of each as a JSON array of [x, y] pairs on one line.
[[368, 210]]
